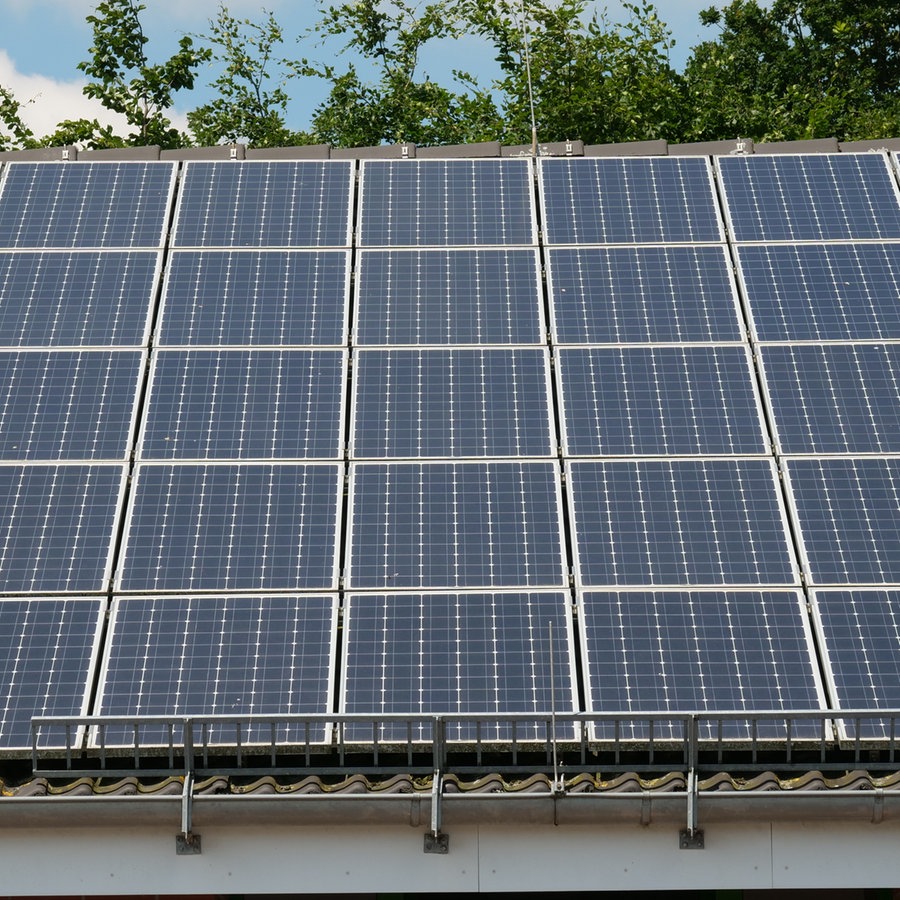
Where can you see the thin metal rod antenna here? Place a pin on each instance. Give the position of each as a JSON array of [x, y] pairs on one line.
[[527, 40], [553, 708]]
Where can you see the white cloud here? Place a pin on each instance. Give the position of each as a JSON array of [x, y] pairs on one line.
[[47, 101]]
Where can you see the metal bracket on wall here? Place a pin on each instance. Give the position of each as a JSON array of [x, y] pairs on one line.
[[692, 838], [186, 842], [435, 840]]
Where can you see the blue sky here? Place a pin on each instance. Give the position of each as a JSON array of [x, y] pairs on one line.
[[43, 40]]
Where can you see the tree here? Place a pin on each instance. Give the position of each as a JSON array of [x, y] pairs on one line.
[[125, 82], [14, 133], [398, 104], [246, 109], [591, 79], [797, 69]]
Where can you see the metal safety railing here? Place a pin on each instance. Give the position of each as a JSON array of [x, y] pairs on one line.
[[555, 743]]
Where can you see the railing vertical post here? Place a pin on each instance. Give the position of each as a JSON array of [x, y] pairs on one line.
[[187, 739]]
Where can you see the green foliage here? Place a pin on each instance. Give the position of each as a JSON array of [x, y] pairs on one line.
[[776, 70], [797, 69], [591, 80], [14, 133], [125, 82], [247, 108], [397, 104]]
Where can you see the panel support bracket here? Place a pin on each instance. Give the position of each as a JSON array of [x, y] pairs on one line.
[[186, 842], [692, 837], [435, 840]]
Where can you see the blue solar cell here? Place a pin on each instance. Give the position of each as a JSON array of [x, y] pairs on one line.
[[810, 197], [232, 527], [446, 203], [68, 404], [265, 204], [245, 404], [822, 292], [641, 294], [849, 515], [700, 651], [108, 204], [47, 654], [457, 653], [217, 298], [658, 401], [629, 201], [452, 525], [76, 299], [834, 398], [679, 522], [236, 656], [451, 403], [448, 297], [860, 639], [58, 527]]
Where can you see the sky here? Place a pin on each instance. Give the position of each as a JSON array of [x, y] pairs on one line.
[[42, 42]]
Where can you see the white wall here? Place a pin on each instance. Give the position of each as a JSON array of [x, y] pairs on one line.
[[390, 858]]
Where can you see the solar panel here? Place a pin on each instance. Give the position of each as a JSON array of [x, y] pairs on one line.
[[235, 656], [68, 404], [834, 398], [245, 404], [859, 633], [629, 201], [48, 650], [457, 653], [257, 298], [448, 297], [641, 294], [451, 403], [283, 203], [679, 522], [849, 515], [822, 292], [89, 205], [249, 527], [658, 401], [454, 525], [654, 651], [809, 197], [80, 299], [446, 203], [57, 526]]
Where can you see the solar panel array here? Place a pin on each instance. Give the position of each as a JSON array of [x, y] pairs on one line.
[[360, 437]]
